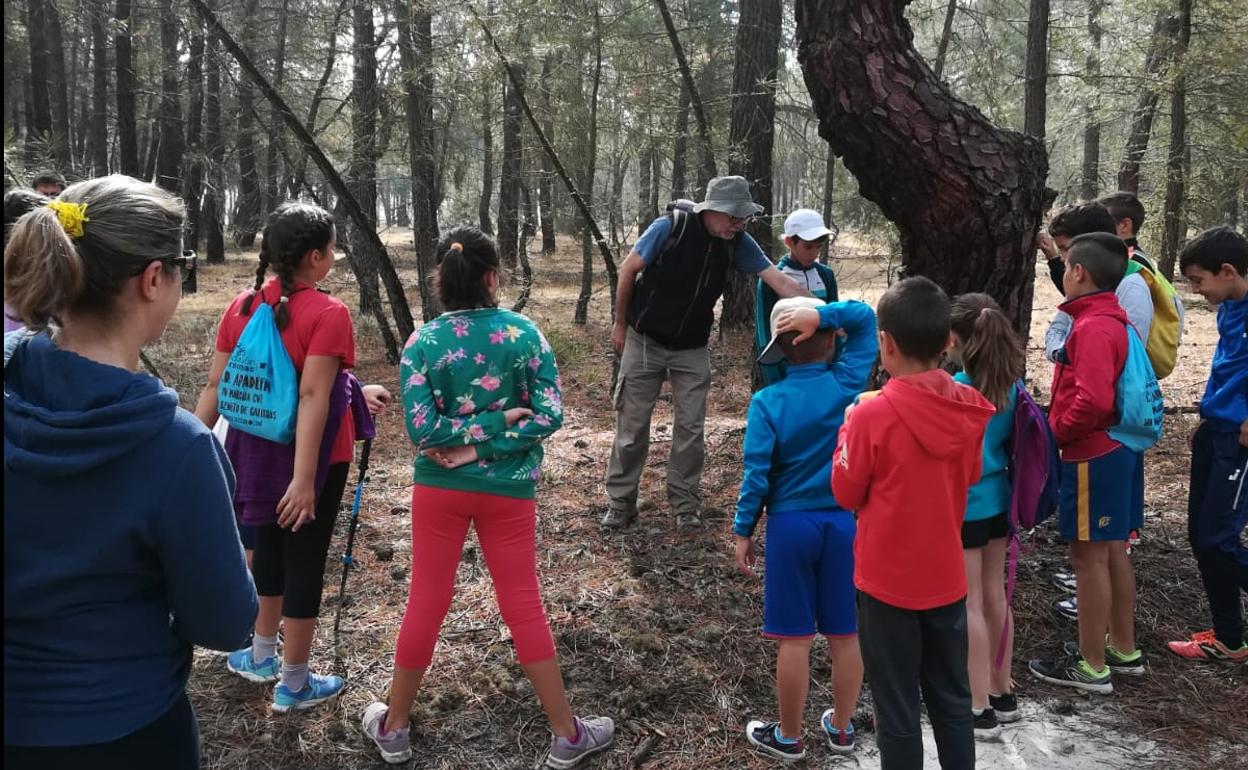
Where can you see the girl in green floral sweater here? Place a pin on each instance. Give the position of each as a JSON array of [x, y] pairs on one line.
[[480, 393]]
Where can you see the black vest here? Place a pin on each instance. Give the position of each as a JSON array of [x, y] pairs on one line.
[[674, 297]]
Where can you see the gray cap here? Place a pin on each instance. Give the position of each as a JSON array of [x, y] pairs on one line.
[[729, 195], [773, 353]]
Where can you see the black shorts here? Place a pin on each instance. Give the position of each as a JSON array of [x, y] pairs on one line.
[[976, 534]]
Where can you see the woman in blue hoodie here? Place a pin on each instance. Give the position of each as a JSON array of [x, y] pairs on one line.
[[120, 548]]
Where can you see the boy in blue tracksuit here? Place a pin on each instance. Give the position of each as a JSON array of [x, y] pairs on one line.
[[790, 436], [1216, 264], [804, 236]]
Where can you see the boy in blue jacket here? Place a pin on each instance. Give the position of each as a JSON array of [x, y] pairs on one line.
[[1216, 264], [808, 585]]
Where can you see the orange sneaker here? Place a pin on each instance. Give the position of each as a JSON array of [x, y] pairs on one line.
[[1204, 645]]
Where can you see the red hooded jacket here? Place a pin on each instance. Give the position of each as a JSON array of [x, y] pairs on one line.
[[1086, 376], [904, 462]]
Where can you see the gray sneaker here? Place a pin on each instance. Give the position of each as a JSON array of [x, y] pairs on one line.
[[395, 747], [619, 518], [597, 734]]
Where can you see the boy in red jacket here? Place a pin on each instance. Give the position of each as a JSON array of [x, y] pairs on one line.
[[904, 462], [1102, 484]]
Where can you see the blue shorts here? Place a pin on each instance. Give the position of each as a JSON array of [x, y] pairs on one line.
[[1102, 499], [808, 583]]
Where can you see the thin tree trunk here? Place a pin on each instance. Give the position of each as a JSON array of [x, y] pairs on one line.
[[545, 194], [98, 128], [581, 313], [247, 213], [1092, 125], [39, 137], [752, 138], [487, 157], [707, 168], [363, 172], [276, 139], [415, 23], [193, 189], [213, 210], [946, 33], [1035, 93], [509, 178], [172, 143], [1165, 28], [127, 126], [390, 277], [299, 178], [60, 90], [966, 196], [645, 181], [829, 188], [1174, 221], [680, 148]]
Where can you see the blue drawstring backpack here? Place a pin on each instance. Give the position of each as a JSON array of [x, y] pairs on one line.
[[259, 391], [1137, 399]]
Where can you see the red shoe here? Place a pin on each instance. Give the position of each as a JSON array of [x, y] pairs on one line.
[[1205, 646]]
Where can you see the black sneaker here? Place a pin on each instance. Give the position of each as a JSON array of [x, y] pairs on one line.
[[1067, 608], [1065, 581], [986, 725], [762, 736], [1005, 706], [1072, 671], [1135, 664]]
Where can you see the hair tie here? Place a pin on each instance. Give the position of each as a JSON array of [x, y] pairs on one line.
[[984, 311], [71, 216], [284, 299], [457, 246]]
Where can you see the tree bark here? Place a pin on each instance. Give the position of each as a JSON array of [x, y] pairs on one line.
[[172, 142], [645, 182], [946, 34], [829, 188], [212, 213], [680, 148], [363, 171], [752, 138], [415, 22], [193, 189], [60, 90], [1035, 93], [247, 214], [509, 178], [1165, 28], [1090, 186], [98, 129], [276, 138], [487, 157], [127, 126], [39, 122], [966, 196], [707, 167], [390, 277], [590, 160], [545, 193], [1174, 221], [299, 178]]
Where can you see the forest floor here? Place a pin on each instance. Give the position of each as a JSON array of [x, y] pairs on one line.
[[655, 627]]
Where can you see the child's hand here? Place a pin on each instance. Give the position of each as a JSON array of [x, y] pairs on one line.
[[298, 506], [804, 321], [376, 398], [513, 416], [452, 457], [1045, 243], [745, 554]]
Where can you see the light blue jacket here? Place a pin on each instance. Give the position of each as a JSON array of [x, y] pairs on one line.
[[792, 426], [991, 494]]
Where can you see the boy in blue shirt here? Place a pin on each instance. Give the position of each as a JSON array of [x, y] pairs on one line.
[[790, 436], [1216, 264], [804, 236]]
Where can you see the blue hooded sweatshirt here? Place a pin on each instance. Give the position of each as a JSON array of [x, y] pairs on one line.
[[1225, 403], [120, 549], [792, 426]]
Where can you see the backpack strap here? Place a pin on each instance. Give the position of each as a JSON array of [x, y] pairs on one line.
[[680, 222], [14, 340]]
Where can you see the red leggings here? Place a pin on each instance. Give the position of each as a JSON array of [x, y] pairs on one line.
[[506, 530]]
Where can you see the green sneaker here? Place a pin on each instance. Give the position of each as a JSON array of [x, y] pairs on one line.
[[1135, 664], [1073, 671]]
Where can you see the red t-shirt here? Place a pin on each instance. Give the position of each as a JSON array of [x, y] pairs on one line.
[[904, 461], [320, 325]]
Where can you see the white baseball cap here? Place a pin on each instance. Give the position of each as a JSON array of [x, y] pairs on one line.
[[773, 353], [806, 224]]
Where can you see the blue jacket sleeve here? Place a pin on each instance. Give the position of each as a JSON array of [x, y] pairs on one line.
[[764, 301], [211, 594], [760, 444], [855, 359]]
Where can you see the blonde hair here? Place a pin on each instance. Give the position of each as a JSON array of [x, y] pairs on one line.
[[129, 223]]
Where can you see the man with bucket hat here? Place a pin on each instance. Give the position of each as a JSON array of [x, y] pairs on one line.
[[664, 309]]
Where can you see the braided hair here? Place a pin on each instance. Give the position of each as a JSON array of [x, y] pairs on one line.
[[294, 228]]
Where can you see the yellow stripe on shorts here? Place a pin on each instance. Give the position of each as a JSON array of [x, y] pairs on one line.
[[1084, 518]]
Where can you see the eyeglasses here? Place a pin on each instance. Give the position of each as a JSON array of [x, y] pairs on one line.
[[186, 263], [740, 220]]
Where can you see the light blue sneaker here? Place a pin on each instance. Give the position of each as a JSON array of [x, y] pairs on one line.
[[242, 663], [318, 689]]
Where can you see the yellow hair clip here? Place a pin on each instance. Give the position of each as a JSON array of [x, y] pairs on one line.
[[70, 215]]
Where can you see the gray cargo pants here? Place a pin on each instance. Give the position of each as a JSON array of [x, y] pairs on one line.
[[643, 367]]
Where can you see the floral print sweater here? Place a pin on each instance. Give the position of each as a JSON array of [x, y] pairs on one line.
[[458, 374]]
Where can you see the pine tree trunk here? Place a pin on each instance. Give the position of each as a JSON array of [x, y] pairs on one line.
[[581, 314], [1035, 92], [829, 188], [172, 143], [752, 137], [946, 34], [39, 122], [98, 126], [966, 196], [509, 178], [1174, 221], [416, 53], [1091, 184], [193, 189], [706, 166], [127, 125], [546, 197], [276, 139], [213, 211], [487, 157], [362, 175], [60, 90], [1165, 28], [248, 216], [680, 148], [645, 183]]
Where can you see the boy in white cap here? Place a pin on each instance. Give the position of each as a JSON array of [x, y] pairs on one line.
[[804, 236], [808, 588]]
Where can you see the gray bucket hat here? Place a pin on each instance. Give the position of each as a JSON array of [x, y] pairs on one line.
[[729, 195]]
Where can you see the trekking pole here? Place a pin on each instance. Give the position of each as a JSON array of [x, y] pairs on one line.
[[347, 561]]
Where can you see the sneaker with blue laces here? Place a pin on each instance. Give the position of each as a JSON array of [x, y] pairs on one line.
[[840, 741], [317, 689], [242, 663]]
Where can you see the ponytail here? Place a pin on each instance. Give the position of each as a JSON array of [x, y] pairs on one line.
[[465, 256], [43, 273], [992, 353]]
